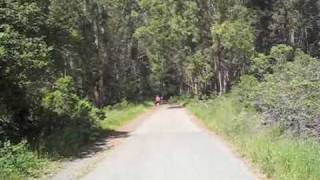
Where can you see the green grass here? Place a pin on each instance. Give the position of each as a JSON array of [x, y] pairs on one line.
[[276, 156], [20, 162], [119, 115]]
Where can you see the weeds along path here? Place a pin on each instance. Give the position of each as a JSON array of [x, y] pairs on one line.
[[170, 146]]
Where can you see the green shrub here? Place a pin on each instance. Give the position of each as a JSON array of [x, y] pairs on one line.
[[289, 94], [267, 64], [68, 120], [17, 161]]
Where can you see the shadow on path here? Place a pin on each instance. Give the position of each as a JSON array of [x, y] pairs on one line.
[[102, 143], [175, 107]]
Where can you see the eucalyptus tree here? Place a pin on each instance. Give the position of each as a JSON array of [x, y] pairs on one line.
[[293, 22], [168, 36], [233, 38]]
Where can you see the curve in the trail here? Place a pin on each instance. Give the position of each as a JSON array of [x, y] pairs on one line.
[[169, 146]]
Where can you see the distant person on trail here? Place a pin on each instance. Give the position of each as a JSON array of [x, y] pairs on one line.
[[157, 100]]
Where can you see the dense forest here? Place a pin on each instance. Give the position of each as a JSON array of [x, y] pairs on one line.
[[62, 61]]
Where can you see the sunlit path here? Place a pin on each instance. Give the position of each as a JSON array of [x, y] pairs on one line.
[[169, 146]]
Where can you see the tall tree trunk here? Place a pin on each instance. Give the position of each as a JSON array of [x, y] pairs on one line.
[[99, 94], [220, 68], [226, 79], [292, 37]]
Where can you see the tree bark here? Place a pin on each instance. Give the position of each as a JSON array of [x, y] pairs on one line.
[[220, 68], [99, 94]]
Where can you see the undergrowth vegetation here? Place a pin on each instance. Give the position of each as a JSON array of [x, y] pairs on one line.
[[62, 62], [277, 156], [121, 113], [272, 115], [81, 124], [18, 161], [68, 121]]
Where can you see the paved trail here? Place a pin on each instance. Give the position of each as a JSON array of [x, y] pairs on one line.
[[169, 146]]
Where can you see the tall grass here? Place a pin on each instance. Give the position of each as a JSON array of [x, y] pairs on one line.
[[278, 157], [20, 162]]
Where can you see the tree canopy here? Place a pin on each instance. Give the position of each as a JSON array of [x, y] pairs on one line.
[[92, 53]]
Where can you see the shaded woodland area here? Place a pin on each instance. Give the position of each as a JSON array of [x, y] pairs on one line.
[[62, 61]]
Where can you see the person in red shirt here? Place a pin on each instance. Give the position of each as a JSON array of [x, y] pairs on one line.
[[157, 100]]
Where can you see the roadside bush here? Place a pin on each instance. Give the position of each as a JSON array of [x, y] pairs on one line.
[[289, 94], [267, 64], [68, 121]]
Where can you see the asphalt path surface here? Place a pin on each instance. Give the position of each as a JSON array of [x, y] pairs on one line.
[[168, 145]]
